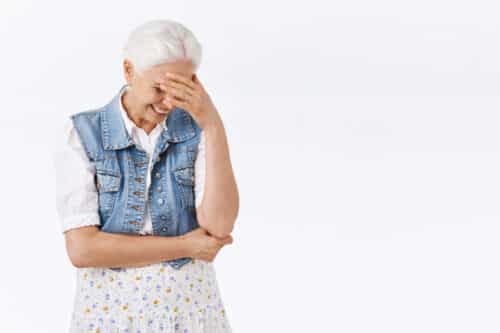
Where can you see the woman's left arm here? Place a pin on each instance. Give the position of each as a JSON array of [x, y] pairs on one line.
[[219, 206]]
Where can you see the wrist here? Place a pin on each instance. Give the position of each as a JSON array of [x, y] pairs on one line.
[[185, 245]]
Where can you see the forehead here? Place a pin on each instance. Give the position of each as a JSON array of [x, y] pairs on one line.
[[181, 67]]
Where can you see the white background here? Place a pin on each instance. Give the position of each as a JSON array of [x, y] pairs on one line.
[[363, 135]]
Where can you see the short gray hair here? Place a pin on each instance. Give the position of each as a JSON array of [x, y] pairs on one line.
[[161, 41]]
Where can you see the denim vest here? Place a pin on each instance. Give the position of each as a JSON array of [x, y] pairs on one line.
[[121, 168]]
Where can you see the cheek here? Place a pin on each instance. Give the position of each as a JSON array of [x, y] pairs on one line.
[[149, 97], [157, 97]]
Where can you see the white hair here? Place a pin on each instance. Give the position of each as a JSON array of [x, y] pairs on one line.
[[161, 41]]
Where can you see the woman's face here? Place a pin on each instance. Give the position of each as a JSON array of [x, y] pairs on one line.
[[146, 98]]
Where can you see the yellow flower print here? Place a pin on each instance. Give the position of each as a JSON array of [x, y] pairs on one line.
[[87, 310], [168, 289], [155, 302], [175, 309], [162, 269], [200, 279], [125, 307], [187, 299], [137, 277], [105, 308], [111, 279], [99, 286]]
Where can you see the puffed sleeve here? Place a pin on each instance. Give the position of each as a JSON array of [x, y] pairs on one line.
[[76, 193], [199, 171]]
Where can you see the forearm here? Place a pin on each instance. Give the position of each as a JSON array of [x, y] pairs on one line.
[[103, 249], [219, 207]]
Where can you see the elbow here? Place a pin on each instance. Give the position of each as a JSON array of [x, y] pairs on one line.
[[216, 226], [79, 249], [77, 262], [222, 232], [219, 221], [77, 259], [78, 255]]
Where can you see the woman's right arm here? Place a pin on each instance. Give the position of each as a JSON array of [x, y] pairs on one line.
[[77, 207], [89, 247]]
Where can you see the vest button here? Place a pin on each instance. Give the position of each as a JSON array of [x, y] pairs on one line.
[[160, 201], [158, 175], [137, 193], [163, 217], [163, 229], [139, 179]]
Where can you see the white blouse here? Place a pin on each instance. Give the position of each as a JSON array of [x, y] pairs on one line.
[[76, 193]]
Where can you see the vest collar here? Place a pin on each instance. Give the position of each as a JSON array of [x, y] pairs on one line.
[[114, 133]]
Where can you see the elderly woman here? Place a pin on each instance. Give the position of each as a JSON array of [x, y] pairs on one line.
[[146, 194]]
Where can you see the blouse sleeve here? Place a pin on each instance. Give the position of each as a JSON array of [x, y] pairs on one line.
[[199, 171], [76, 193]]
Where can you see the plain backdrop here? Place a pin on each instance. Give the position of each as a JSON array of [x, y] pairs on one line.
[[363, 136]]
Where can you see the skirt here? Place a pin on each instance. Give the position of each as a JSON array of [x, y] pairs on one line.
[[149, 299]]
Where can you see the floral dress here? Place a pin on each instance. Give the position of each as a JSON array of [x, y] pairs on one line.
[[147, 299]]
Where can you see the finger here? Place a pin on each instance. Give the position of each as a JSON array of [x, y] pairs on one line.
[[180, 104], [221, 241], [173, 84], [227, 240], [181, 79], [159, 80], [172, 101], [180, 94]]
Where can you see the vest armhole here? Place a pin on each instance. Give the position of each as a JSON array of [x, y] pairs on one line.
[[89, 134]]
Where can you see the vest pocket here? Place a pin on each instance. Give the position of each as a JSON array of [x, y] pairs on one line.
[[107, 187], [184, 178]]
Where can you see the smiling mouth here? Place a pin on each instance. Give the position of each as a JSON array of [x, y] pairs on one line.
[[162, 112]]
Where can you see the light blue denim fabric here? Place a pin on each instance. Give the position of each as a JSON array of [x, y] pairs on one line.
[[121, 170]]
